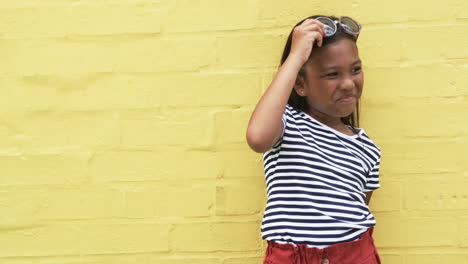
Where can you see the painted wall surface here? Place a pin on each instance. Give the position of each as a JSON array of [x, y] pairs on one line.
[[122, 127]]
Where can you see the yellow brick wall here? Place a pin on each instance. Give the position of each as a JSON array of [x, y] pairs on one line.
[[122, 127]]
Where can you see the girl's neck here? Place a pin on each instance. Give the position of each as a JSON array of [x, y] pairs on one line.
[[330, 121]]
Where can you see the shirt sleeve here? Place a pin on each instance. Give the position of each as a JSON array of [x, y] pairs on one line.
[[284, 118], [373, 181]]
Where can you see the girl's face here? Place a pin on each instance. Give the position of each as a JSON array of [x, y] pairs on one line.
[[333, 80]]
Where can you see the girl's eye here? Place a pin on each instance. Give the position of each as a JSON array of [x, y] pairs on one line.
[[357, 69], [331, 74]]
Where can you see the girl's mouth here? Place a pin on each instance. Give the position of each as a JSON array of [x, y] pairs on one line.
[[346, 99]]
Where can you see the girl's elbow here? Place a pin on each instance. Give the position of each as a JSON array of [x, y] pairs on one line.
[[257, 142]]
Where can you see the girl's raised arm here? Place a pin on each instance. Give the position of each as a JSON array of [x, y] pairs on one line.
[[265, 125]]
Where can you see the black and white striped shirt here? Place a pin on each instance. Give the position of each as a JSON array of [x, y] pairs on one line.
[[316, 177]]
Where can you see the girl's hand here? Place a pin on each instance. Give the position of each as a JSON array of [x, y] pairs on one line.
[[303, 39]]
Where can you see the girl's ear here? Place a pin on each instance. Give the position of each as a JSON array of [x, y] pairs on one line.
[[299, 86]]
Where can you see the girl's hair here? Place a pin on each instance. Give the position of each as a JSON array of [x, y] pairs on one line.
[[299, 102]]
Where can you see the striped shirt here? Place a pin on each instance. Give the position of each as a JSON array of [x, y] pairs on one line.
[[316, 177]]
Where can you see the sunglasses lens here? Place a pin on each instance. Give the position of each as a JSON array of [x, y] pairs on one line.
[[330, 26], [350, 25]]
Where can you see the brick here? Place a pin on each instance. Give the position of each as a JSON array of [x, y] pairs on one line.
[[445, 257], [444, 114], [393, 83], [390, 258], [89, 128], [208, 237], [189, 16], [204, 89], [191, 53], [387, 198], [120, 17], [81, 259], [249, 51], [92, 128], [403, 231], [95, 54], [38, 129], [401, 11], [83, 19], [463, 230], [186, 199], [11, 137], [41, 56], [413, 157], [124, 166], [170, 199], [83, 203], [19, 207], [59, 168], [461, 81], [231, 126], [142, 200], [114, 259], [127, 166], [436, 194], [191, 259], [462, 11], [167, 127], [242, 163], [373, 42], [239, 197], [41, 240], [74, 92], [292, 13], [107, 238], [243, 260], [88, 91], [42, 260], [403, 120], [33, 3], [371, 117], [420, 44]]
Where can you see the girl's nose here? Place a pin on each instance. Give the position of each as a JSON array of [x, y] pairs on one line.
[[348, 83]]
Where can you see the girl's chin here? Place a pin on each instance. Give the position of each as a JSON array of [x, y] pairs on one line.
[[346, 112]]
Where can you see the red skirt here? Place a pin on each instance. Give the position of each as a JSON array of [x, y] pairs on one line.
[[361, 251]]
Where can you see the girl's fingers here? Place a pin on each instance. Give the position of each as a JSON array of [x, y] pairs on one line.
[[304, 36], [318, 37], [315, 27], [314, 31], [320, 41], [311, 23], [323, 28]]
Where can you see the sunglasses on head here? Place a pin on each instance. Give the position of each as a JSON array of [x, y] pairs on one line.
[[348, 24]]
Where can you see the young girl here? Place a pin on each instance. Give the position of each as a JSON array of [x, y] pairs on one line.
[[320, 168]]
